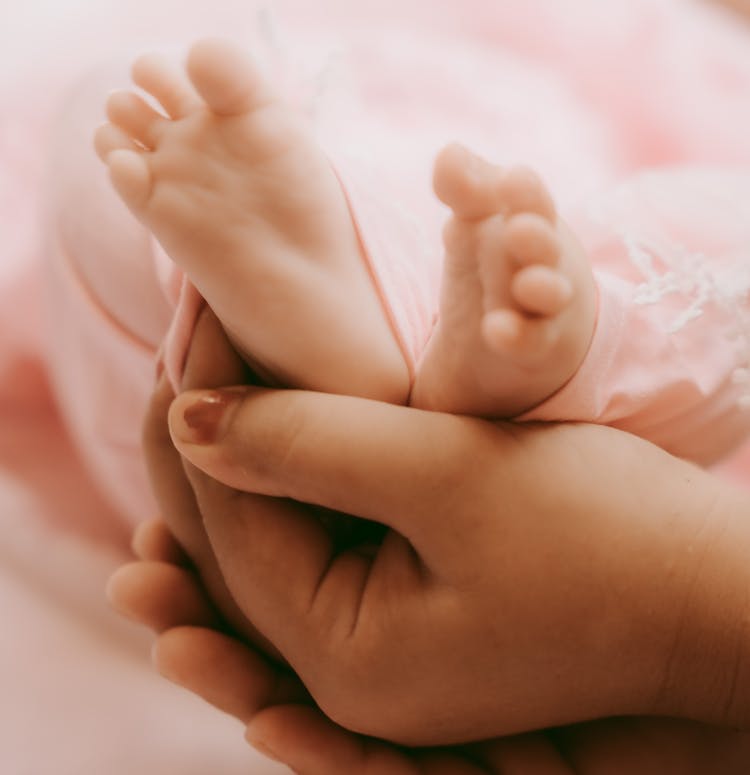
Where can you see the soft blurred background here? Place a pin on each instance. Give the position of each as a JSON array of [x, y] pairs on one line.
[[77, 695]]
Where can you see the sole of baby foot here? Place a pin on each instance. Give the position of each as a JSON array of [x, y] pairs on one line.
[[231, 182], [518, 299]]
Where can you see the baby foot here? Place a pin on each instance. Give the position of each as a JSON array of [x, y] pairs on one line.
[[234, 187], [517, 303]]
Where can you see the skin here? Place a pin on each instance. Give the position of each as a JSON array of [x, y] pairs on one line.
[[172, 598], [518, 302], [741, 6], [475, 635], [466, 578], [162, 592], [225, 137], [524, 591]]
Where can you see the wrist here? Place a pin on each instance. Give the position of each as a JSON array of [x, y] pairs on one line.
[[705, 651]]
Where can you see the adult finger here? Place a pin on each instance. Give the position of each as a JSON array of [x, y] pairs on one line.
[[226, 673], [351, 455], [534, 753], [160, 596], [211, 361], [310, 744], [167, 476], [180, 509], [276, 558], [652, 746], [153, 542], [295, 544]]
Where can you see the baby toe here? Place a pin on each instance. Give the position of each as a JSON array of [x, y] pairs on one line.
[[465, 182], [509, 333], [167, 84], [529, 239], [135, 116], [520, 190], [226, 78], [540, 290], [108, 138], [131, 177]]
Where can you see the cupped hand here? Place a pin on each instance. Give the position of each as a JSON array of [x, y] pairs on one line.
[[530, 576], [282, 722]]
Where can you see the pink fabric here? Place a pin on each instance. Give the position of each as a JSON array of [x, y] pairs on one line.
[[548, 105], [670, 349], [588, 92]]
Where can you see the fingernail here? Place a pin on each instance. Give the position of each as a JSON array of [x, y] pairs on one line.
[[204, 417]]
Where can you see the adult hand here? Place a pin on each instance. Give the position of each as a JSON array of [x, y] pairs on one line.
[[280, 723], [532, 576], [211, 362]]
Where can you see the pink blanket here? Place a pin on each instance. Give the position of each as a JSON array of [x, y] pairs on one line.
[[78, 694]]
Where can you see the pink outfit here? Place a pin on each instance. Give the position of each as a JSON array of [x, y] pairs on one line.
[[664, 359], [591, 94]]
